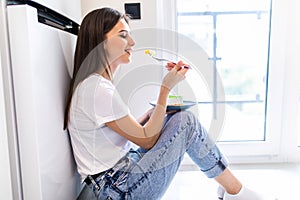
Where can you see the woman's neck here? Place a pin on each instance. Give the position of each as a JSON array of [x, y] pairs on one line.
[[105, 75]]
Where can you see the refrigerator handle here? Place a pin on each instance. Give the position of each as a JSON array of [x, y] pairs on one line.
[[49, 17]]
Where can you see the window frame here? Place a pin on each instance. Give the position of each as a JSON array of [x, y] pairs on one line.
[[281, 129]]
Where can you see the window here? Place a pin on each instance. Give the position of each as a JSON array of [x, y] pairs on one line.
[[258, 70], [235, 35]]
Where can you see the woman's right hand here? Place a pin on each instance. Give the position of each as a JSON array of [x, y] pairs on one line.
[[175, 75]]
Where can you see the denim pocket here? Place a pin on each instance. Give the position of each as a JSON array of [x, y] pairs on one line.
[[120, 176], [121, 171]]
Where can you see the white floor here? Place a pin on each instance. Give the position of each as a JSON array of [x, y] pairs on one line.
[[281, 181]]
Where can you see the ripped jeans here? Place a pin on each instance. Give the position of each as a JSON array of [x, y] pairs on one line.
[[143, 174]]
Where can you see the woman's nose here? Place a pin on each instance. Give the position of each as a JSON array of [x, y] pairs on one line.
[[131, 41]]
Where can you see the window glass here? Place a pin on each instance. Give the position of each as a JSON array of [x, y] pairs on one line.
[[235, 35]]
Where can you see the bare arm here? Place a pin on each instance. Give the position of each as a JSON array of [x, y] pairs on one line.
[[147, 135]]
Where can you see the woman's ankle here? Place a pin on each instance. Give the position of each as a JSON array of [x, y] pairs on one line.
[[229, 182], [234, 189]]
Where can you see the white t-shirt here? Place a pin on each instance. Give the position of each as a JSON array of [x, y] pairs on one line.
[[96, 147]]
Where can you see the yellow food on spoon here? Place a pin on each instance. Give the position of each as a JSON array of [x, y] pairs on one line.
[[149, 52]]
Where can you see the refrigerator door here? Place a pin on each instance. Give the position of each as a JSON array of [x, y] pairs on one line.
[[41, 58], [5, 171]]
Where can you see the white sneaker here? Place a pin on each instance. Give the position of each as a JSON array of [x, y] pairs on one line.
[[246, 194]]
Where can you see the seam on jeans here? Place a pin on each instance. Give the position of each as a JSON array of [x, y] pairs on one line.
[[192, 139]]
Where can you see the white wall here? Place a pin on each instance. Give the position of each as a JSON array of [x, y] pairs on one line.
[[148, 10], [291, 80]]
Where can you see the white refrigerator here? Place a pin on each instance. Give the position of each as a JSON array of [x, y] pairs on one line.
[[37, 41]]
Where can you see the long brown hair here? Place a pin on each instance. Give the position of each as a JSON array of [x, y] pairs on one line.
[[90, 54]]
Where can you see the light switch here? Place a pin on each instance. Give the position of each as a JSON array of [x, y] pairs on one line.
[[133, 10]]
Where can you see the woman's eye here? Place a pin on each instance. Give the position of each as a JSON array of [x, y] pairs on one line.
[[123, 35]]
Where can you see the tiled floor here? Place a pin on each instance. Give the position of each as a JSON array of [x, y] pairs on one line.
[[282, 181]]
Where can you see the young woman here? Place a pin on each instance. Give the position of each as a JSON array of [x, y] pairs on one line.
[[102, 129]]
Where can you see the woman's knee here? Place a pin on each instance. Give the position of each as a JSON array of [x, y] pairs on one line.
[[186, 122], [184, 116]]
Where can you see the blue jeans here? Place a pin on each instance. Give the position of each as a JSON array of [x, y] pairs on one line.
[[143, 174]]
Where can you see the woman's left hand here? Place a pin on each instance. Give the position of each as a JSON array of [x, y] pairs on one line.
[[169, 112], [170, 65]]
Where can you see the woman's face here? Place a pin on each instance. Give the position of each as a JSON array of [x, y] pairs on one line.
[[119, 45]]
